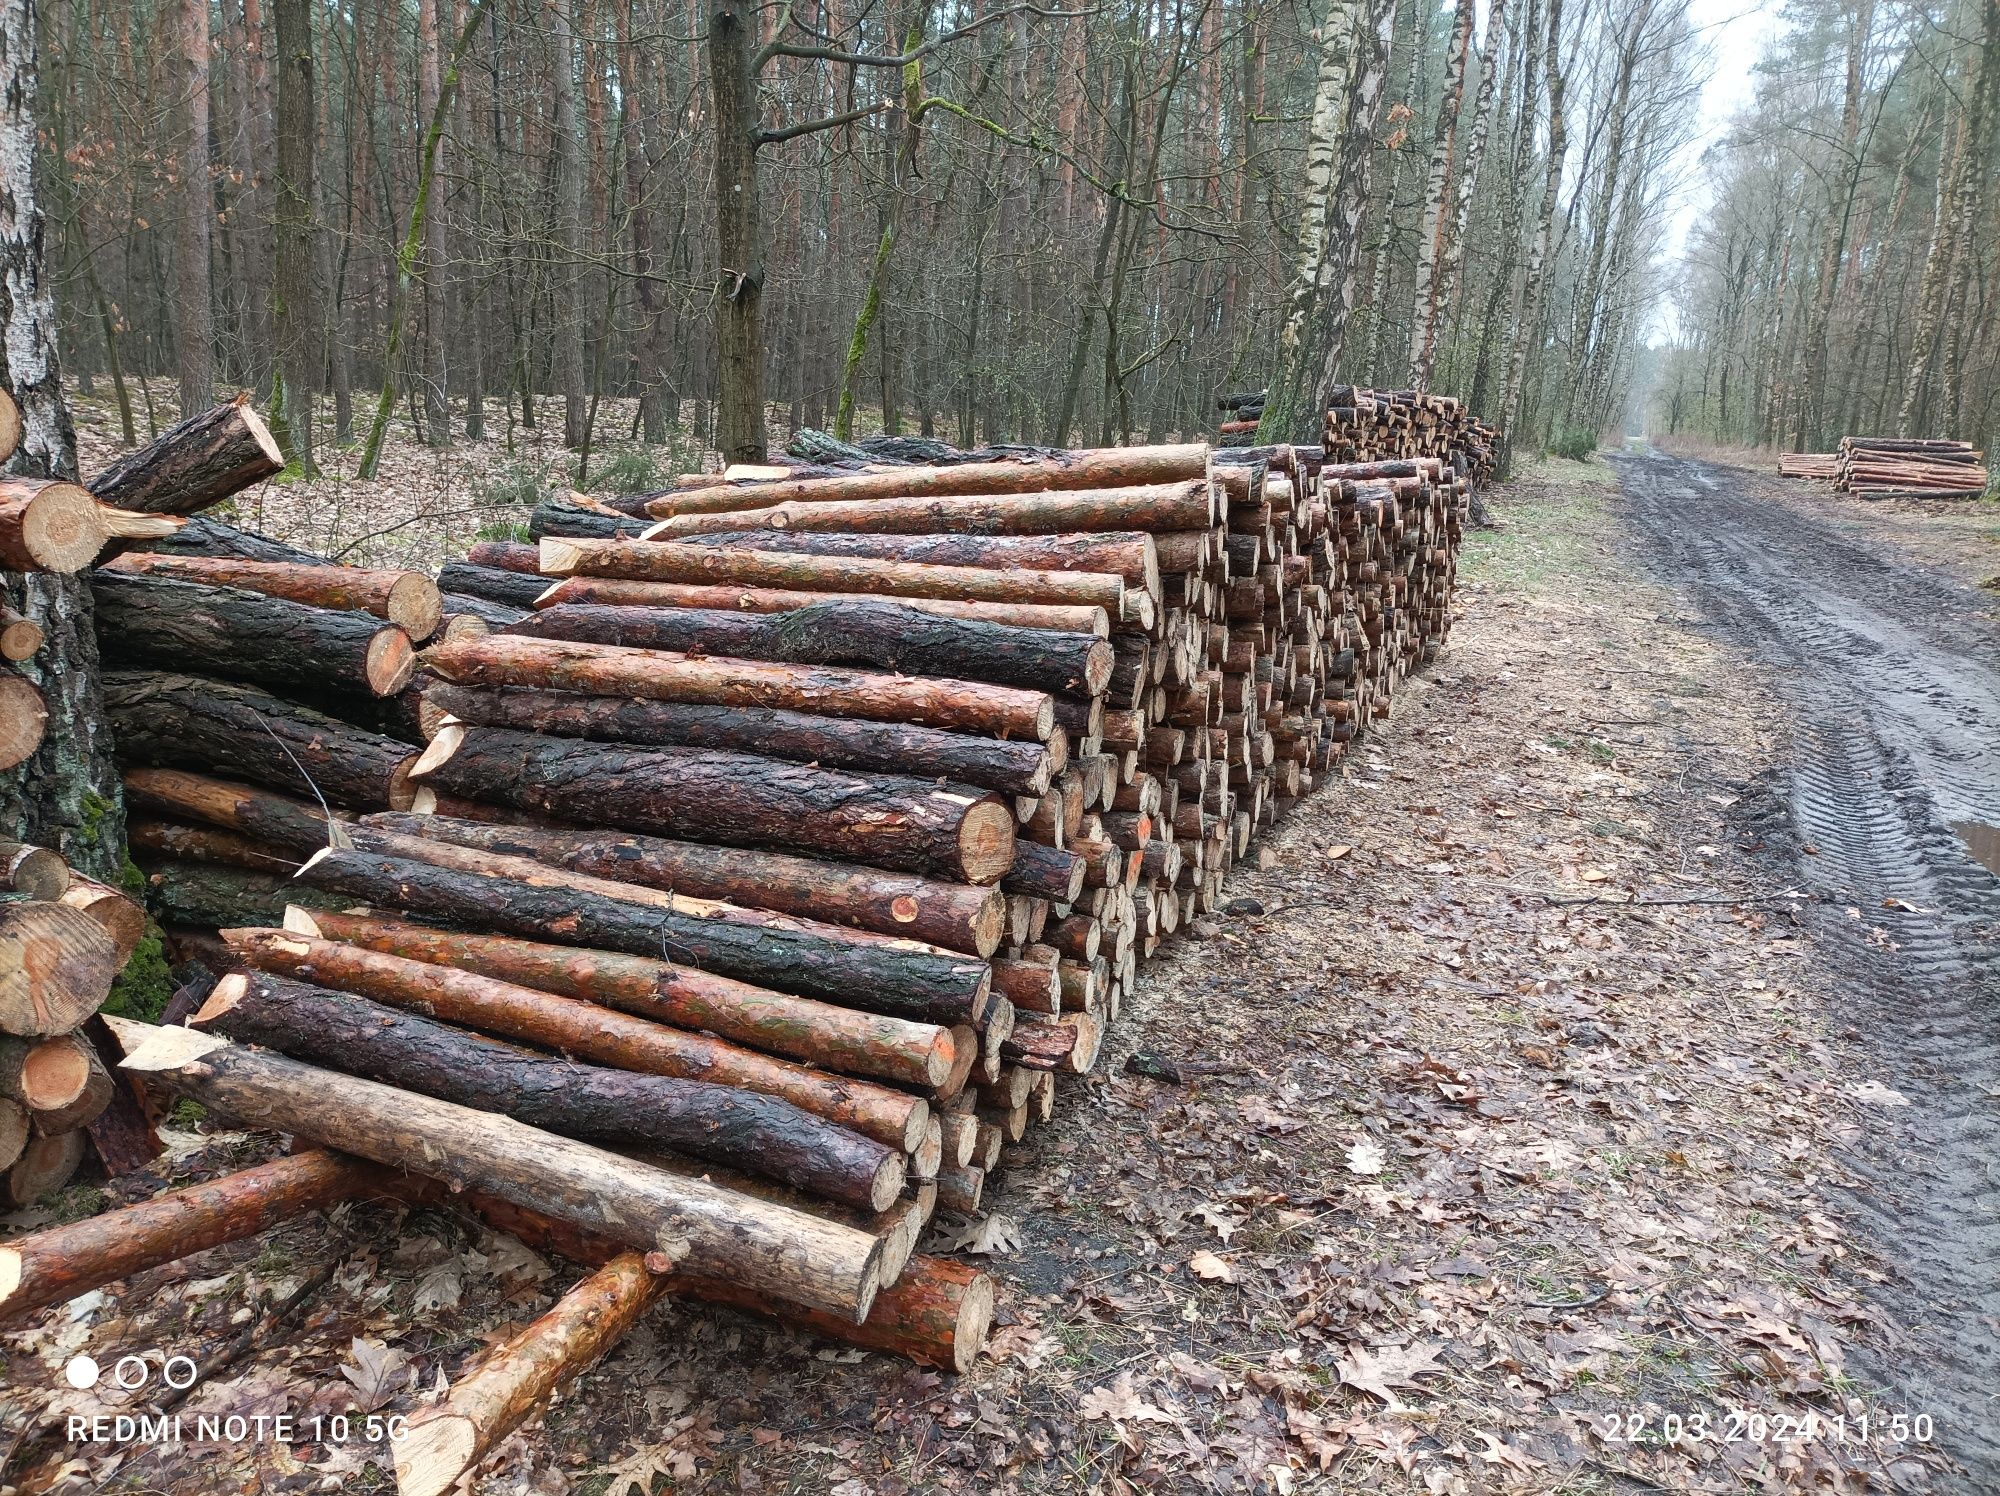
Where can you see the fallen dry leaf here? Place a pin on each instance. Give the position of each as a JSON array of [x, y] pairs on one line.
[[1215, 1269], [1383, 1370], [1366, 1157]]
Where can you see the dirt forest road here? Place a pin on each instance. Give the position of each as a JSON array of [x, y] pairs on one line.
[[1891, 677]]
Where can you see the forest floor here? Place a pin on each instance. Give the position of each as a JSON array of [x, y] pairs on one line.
[[1553, 1094]]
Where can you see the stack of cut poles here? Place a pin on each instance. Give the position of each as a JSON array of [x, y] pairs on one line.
[[1823, 466], [1364, 425], [1241, 415], [1884, 467]]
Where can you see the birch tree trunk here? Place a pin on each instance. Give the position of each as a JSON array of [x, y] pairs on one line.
[[1452, 273], [1529, 316], [1431, 234]]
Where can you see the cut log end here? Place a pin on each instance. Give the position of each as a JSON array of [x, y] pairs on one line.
[[19, 637], [402, 793], [62, 527], [391, 662], [434, 1454], [23, 719], [54, 1073], [259, 432], [986, 842], [887, 1186], [151, 1046], [416, 606], [35, 871], [975, 1321], [560, 558]]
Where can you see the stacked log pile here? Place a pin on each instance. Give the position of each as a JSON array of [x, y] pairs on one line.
[[1241, 415], [1885, 467], [1364, 425], [1823, 466]]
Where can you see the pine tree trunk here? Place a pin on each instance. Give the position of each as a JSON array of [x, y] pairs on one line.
[[739, 234], [295, 314], [194, 315]]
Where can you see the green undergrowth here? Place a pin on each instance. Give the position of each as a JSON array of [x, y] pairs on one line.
[[143, 987], [1548, 519]]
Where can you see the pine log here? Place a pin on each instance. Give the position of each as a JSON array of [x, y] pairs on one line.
[[443, 1443], [10, 426], [611, 591], [201, 536], [734, 799], [246, 635], [1069, 1042], [872, 634], [20, 636], [1165, 506], [46, 1164], [800, 737], [1132, 555], [509, 587], [23, 719], [721, 1124], [275, 822], [667, 675], [1045, 872], [178, 843], [34, 871], [207, 895], [199, 462], [56, 967], [558, 516], [853, 968], [56, 1264], [657, 561], [462, 610], [484, 988], [184, 721], [88, 1101], [505, 555], [45, 1075], [960, 1188], [954, 916], [786, 1253], [122, 919], [1099, 468], [48, 525], [122, 1134], [14, 1135], [407, 599]]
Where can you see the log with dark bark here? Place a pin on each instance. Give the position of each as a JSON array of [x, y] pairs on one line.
[[58, 1263], [443, 1443], [494, 615], [1133, 555], [735, 799], [516, 589], [230, 632], [56, 966], [207, 895], [407, 599], [512, 659], [800, 737], [721, 1124], [787, 1253], [874, 635], [202, 536], [955, 916], [1045, 872], [280, 825], [612, 592], [525, 898], [664, 561], [14, 1131], [558, 516], [399, 963], [154, 840], [506, 555], [1166, 506], [122, 1134], [199, 462], [184, 721]]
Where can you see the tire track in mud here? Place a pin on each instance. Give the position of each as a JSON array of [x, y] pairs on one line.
[[1892, 683]]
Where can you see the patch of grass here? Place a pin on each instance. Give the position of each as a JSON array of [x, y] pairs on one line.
[[1547, 520], [636, 470], [518, 484], [500, 529]]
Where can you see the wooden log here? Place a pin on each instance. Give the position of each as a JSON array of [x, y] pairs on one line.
[[462, 611], [211, 895], [56, 966], [46, 1075], [85, 1103], [23, 719], [184, 721], [852, 968], [955, 916], [122, 1134], [612, 591], [407, 599], [500, 586], [960, 1188], [10, 426], [228, 631], [656, 561], [1069, 1042], [34, 871], [733, 799], [1045, 872], [721, 1124], [397, 963], [175, 842], [442, 1444], [1099, 468], [277, 823], [54, 1265], [800, 737], [199, 462], [575, 515], [786, 1253], [48, 525], [1166, 506], [201, 536], [122, 919], [46, 1164], [871, 634], [20, 636], [1132, 555], [14, 1132], [665, 675], [505, 555]]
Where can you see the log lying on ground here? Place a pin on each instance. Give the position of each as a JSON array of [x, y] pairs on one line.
[[75, 1095], [801, 737], [10, 426], [1133, 555], [45, 1075], [54, 1265], [47, 524], [20, 636], [14, 1132], [34, 871], [514, 588], [613, 592], [407, 599], [664, 675], [956, 916], [24, 719], [786, 1253], [657, 561], [1164, 506], [46, 1164], [735, 799], [56, 966], [175, 842], [1101, 468], [183, 721], [720, 1124], [871, 634], [442, 1444], [487, 891], [199, 462], [228, 631], [400, 963]]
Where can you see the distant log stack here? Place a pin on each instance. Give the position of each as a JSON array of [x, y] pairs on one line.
[[1887, 467]]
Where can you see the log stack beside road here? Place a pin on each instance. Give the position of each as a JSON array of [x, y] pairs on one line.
[[1883, 467]]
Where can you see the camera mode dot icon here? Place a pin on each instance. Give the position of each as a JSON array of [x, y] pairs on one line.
[[81, 1372]]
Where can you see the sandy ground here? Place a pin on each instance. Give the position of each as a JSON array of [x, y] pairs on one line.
[[1520, 1178]]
